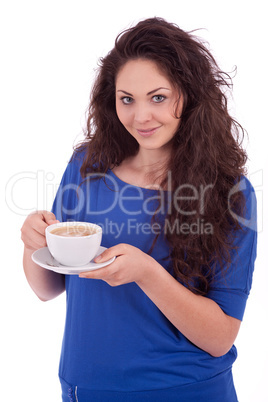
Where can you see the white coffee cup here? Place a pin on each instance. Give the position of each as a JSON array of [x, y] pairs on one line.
[[77, 249]]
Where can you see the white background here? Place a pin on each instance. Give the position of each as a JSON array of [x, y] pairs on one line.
[[49, 50]]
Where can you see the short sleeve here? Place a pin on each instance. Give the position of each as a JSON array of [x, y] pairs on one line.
[[230, 290], [70, 197]]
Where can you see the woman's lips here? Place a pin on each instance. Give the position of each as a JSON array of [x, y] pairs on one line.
[[148, 132]]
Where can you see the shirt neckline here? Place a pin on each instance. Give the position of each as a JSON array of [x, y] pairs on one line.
[[125, 184]]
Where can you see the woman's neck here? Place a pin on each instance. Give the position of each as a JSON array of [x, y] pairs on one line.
[[150, 161], [146, 169]]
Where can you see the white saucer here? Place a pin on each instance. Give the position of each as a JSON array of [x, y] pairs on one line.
[[43, 258]]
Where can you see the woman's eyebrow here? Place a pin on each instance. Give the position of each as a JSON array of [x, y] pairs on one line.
[[125, 92], [149, 93], [158, 89]]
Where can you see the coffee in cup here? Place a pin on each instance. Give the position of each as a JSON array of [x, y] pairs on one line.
[[74, 231]]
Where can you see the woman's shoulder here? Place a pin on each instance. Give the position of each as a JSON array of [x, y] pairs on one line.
[[78, 155], [242, 184], [245, 183], [249, 215]]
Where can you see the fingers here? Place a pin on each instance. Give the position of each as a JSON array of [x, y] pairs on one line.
[[33, 229], [106, 273], [49, 217], [33, 239], [111, 273], [101, 273], [111, 252], [127, 267]]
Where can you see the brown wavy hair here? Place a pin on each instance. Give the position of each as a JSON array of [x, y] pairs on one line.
[[206, 149]]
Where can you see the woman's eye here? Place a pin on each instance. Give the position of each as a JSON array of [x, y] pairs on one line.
[[126, 100], [158, 98]]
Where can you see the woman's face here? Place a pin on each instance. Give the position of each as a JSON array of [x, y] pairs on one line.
[[146, 103]]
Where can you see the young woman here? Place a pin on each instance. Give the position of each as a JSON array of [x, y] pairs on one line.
[[162, 171]]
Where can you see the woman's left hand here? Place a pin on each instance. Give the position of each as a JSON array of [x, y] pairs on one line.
[[130, 265]]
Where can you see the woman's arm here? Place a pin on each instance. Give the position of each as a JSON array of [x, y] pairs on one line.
[[198, 318], [46, 284]]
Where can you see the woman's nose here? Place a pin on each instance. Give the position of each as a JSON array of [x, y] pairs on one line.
[[142, 114]]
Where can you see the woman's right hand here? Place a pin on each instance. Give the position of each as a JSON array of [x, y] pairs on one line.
[[45, 283], [33, 229]]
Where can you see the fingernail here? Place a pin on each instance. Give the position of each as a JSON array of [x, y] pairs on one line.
[[98, 258]]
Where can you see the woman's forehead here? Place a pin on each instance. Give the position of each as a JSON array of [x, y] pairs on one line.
[[144, 73]]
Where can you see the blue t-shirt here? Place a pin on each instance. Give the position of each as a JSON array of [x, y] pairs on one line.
[[117, 344]]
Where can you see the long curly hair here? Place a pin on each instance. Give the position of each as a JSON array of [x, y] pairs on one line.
[[206, 157]]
